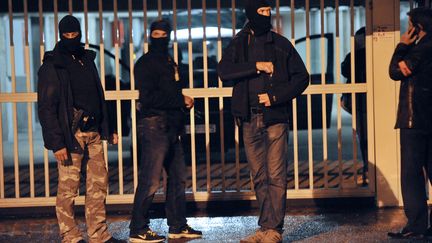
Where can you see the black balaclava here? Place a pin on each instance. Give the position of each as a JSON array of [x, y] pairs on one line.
[[70, 24], [260, 24], [160, 44]]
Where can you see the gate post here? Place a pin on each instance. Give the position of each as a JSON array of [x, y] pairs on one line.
[[383, 34]]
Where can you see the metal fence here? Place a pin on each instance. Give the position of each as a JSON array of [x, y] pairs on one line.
[[217, 171]]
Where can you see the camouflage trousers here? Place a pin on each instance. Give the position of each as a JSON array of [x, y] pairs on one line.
[[96, 191]]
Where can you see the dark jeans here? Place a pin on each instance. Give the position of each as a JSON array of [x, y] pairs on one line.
[[416, 154], [266, 150], [160, 148]]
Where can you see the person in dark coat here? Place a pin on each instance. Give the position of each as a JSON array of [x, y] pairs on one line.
[[72, 112], [267, 73], [412, 65], [361, 99], [160, 124]]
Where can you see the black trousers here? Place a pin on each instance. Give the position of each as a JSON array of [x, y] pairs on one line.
[[416, 157]]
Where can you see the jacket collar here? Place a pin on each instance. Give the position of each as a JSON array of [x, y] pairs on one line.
[[58, 58], [426, 38], [247, 29]]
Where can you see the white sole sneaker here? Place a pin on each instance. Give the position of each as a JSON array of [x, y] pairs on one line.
[[183, 235], [137, 240]]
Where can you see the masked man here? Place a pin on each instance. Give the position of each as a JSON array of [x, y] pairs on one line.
[[72, 112], [160, 123], [267, 73]]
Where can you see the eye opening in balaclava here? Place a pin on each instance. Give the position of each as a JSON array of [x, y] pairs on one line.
[[70, 24], [160, 44], [260, 24]]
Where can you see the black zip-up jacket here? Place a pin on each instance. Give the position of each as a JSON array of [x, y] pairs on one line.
[[290, 77], [159, 92], [55, 102], [415, 96]]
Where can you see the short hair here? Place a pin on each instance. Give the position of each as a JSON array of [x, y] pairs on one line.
[[422, 16]]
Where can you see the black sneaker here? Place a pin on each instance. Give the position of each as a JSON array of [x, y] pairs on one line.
[[148, 236], [185, 232], [405, 234]]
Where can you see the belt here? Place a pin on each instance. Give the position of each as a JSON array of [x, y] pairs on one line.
[[256, 110]]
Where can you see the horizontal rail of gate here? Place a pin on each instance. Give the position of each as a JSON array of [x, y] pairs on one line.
[[220, 175]]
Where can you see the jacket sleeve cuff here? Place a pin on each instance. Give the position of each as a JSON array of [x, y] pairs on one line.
[[273, 97], [57, 148]]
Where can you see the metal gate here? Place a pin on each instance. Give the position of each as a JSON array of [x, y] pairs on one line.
[[324, 159]]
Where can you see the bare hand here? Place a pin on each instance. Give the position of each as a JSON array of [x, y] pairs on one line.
[[404, 68], [61, 155], [266, 67], [409, 37], [264, 99], [189, 102], [114, 139]]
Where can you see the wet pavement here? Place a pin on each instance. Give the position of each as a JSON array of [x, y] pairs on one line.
[[301, 225]]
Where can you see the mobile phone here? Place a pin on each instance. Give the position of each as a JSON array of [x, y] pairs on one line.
[[416, 30]]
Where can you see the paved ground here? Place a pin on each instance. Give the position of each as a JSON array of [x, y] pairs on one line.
[[301, 225]]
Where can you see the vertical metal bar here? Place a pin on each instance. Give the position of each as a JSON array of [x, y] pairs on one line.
[[14, 105], [70, 7], [42, 51], [294, 105], [371, 173], [175, 43], [411, 3], [237, 156], [353, 95], [236, 130], [2, 181], [133, 103], [25, 8], [145, 47], [192, 111], [159, 9], [102, 73], [86, 24], [206, 99], [309, 98], [204, 44], [338, 81], [221, 99], [102, 44], [29, 104], [233, 17], [117, 71], [41, 32], [278, 17], [323, 98], [56, 21], [190, 44]]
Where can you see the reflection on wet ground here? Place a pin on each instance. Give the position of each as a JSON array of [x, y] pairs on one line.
[[301, 225]]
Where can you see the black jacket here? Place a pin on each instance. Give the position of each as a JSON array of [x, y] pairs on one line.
[[159, 92], [290, 77], [360, 77], [55, 102], [415, 96]]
